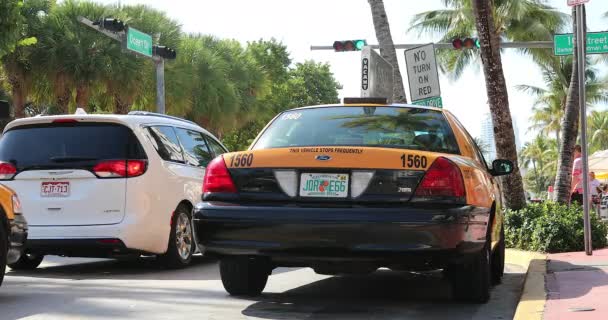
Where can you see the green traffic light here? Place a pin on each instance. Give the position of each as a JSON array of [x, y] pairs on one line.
[[477, 44], [359, 44]]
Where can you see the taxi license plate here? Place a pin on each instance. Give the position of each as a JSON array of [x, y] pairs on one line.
[[55, 189], [324, 185]]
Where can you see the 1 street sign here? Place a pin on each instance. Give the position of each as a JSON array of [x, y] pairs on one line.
[[436, 102], [597, 42], [573, 3], [139, 42], [422, 74], [376, 75]]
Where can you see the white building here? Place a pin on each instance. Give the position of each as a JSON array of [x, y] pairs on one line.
[[487, 137]]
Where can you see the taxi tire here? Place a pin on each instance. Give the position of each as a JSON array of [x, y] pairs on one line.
[[471, 282], [172, 259], [27, 261], [498, 259], [244, 276], [3, 250]]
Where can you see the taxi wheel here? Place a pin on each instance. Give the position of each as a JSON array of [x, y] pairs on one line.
[[27, 261], [471, 281], [498, 260], [244, 276], [3, 250], [181, 241]]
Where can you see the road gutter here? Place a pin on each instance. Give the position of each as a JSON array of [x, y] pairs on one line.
[[531, 305]]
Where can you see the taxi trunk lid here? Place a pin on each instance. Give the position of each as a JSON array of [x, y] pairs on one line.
[[336, 175]]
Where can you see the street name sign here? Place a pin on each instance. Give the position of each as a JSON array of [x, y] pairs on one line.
[[376, 75], [436, 102], [422, 74], [139, 42], [573, 3], [597, 43]]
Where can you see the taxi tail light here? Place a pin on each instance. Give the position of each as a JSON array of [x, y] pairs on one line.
[[217, 178], [443, 179], [7, 171], [120, 168]]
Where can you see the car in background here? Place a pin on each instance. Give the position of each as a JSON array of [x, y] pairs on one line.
[[352, 188], [107, 185], [13, 228]]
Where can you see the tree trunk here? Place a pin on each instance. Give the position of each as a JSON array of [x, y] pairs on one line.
[[496, 88], [83, 94], [121, 106], [18, 96], [387, 48], [569, 131]]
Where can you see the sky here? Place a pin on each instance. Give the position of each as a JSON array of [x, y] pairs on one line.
[[300, 24]]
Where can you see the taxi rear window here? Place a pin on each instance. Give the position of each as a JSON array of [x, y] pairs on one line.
[[387, 127]]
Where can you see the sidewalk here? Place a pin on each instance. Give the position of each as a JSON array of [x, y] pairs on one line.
[[577, 282]]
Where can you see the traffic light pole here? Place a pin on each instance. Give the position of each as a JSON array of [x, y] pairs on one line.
[[443, 45], [160, 84]]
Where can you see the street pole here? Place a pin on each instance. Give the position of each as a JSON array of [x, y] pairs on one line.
[[445, 45], [581, 36], [160, 84]]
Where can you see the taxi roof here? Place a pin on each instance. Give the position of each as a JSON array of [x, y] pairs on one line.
[[362, 105]]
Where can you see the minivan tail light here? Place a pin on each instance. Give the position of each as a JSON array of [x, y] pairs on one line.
[[217, 178], [120, 168], [442, 179], [7, 171]]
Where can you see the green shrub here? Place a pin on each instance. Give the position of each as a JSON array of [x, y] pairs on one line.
[[551, 227]]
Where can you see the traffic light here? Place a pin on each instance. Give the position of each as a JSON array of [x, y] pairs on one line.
[[164, 52], [111, 24], [466, 43], [349, 45]]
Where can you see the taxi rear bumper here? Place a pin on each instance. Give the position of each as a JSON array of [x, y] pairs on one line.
[[409, 237]]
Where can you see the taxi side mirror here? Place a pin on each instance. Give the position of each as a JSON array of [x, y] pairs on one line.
[[501, 167]]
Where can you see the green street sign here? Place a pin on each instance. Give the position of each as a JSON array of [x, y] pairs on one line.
[[436, 102], [597, 42], [139, 42]]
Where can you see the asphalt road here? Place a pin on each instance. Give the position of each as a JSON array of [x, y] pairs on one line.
[[65, 288]]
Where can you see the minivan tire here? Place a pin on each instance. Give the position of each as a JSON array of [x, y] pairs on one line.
[[471, 281], [181, 245], [27, 261], [244, 276]]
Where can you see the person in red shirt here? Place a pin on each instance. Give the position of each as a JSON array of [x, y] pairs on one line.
[[577, 177]]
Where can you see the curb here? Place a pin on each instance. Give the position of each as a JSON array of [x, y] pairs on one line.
[[531, 305]]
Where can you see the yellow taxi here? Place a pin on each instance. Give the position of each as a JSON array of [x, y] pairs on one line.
[[351, 188], [13, 228]]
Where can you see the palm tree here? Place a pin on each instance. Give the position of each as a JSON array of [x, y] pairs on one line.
[[21, 66], [598, 131], [519, 20], [539, 154], [551, 101], [387, 49]]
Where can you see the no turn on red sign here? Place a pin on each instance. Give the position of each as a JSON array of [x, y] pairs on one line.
[[422, 74]]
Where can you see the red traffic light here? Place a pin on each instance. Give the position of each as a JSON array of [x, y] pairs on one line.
[[338, 46], [457, 44]]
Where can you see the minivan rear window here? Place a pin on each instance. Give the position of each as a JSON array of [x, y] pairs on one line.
[[70, 145]]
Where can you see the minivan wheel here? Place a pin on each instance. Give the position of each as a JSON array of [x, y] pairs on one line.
[[244, 276], [27, 261], [471, 281], [181, 241]]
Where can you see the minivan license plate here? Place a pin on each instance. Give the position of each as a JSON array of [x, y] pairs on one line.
[[325, 185], [55, 189]]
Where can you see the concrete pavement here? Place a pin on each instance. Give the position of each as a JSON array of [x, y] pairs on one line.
[[105, 289]]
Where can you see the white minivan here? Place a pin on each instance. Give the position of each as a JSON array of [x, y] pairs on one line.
[[107, 185]]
